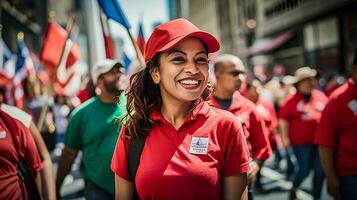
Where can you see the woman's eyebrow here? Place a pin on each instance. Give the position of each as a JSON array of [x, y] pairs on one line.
[[176, 51]]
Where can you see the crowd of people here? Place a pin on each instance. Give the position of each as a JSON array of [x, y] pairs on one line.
[[174, 134]]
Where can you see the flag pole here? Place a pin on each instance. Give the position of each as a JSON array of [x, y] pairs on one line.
[[139, 55], [50, 91], [69, 26]]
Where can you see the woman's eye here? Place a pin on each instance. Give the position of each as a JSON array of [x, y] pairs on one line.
[[178, 60], [202, 61]]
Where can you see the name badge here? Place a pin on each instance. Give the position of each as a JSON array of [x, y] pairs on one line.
[[353, 106], [2, 134], [199, 145]]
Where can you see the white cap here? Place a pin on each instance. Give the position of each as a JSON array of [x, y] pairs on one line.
[[103, 67]]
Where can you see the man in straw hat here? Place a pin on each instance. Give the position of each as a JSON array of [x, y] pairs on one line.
[[298, 119]]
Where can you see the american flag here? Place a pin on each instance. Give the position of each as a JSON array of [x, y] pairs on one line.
[[23, 68]]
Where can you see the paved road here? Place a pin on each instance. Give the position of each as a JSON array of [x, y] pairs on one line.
[[275, 186]]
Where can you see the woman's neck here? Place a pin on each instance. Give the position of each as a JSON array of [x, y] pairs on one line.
[[176, 112]]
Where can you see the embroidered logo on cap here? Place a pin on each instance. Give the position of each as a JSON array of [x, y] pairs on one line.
[[199, 145]]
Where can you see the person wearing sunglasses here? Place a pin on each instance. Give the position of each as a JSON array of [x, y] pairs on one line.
[[230, 75]]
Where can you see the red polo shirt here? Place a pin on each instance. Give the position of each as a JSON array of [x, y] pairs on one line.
[[338, 128], [10, 188], [303, 116], [267, 111], [254, 129], [170, 166]]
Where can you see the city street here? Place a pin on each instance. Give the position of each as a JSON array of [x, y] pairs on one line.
[[275, 186], [189, 99]]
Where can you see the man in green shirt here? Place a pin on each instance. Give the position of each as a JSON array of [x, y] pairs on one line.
[[94, 129]]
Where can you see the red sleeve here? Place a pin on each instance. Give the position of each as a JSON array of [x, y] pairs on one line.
[[120, 158], [259, 141], [29, 148], [236, 153], [326, 129]]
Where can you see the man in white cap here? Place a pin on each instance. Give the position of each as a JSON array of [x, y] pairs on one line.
[[93, 129], [298, 119]]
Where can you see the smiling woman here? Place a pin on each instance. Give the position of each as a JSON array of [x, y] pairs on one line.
[[192, 150]]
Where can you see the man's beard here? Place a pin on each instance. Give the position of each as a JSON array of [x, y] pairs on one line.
[[112, 88]]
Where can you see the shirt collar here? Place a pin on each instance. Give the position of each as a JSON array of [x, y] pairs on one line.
[[201, 109], [235, 101], [352, 86]]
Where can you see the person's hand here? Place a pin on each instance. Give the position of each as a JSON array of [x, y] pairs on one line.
[[333, 187], [252, 173]]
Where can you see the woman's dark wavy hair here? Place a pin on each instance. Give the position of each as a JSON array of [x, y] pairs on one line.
[[143, 95]]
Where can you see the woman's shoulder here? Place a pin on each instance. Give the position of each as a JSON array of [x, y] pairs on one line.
[[222, 116]]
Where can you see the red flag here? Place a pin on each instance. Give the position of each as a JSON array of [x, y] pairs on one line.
[[108, 42], [65, 73], [140, 40], [73, 56], [4, 79], [53, 45]]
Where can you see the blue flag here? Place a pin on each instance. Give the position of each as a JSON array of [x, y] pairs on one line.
[[6, 53], [112, 10], [22, 53], [127, 62]]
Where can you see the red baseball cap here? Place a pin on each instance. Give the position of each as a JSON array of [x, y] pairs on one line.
[[168, 35]]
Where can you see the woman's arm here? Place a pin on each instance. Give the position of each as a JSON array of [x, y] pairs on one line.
[[123, 189], [48, 190], [235, 187]]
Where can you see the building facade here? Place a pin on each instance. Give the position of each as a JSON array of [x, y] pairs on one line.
[[289, 33]]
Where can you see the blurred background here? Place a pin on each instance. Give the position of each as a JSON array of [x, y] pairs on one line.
[[267, 34], [58, 41]]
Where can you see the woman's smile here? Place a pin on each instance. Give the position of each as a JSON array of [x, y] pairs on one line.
[[190, 83]]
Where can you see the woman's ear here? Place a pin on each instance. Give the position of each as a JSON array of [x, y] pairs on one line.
[[155, 75]]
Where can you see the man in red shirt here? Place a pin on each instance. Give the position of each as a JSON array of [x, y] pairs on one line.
[[230, 75], [337, 139], [9, 157], [267, 111], [298, 119]]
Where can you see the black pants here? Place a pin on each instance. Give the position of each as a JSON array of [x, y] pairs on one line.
[[348, 187], [93, 192]]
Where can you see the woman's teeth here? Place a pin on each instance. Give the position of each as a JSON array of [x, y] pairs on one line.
[[189, 82]]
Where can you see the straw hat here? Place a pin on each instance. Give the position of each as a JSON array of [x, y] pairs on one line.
[[304, 73]]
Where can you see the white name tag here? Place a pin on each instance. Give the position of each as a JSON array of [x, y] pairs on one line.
[[353, 106], [2, 134], [199, 145]]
